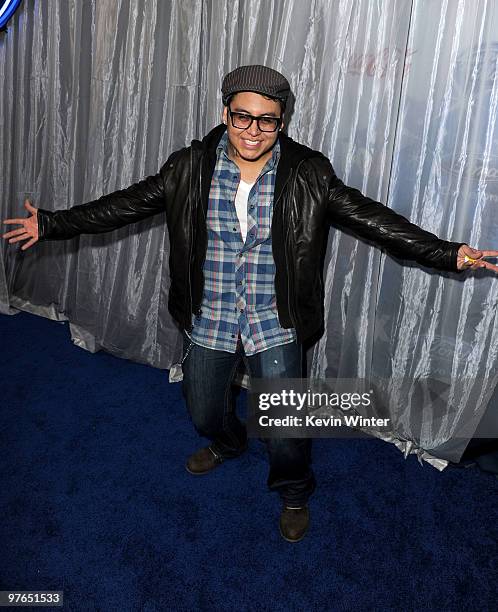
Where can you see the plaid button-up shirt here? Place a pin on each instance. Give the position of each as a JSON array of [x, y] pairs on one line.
[[239, 290]]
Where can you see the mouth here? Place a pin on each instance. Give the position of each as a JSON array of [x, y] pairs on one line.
[[251, 144]]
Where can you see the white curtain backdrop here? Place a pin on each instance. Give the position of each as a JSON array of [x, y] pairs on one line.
[[401, 96]]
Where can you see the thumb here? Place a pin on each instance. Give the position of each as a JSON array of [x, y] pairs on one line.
[[470, 252], [28, 206]]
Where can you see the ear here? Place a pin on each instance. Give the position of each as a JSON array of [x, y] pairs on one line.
[[224, 116]]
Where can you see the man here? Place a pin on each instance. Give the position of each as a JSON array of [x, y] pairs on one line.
[[248, 211]]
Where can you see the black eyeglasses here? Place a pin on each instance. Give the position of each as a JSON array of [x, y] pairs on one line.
[[242, 121]]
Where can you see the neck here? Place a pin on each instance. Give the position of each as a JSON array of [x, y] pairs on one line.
[[249, 170]]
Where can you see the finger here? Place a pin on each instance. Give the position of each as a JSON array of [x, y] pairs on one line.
[[11, 221], [476, 266], [490, 266], [15, 232], [19, 238], [28, 206], [475, 253], [490, 253], [28, 244]]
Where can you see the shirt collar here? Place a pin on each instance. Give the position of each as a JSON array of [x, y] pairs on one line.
[[270, 164]]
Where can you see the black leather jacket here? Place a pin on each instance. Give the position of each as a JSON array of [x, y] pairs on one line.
[[308, 198]]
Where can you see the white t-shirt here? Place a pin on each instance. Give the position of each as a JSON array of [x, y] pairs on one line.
[[241, 206]]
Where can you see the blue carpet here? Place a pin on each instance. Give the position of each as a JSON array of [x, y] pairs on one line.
[[96, 502]]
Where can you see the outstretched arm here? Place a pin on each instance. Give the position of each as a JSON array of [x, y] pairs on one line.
[[373, 221], [110, 212]]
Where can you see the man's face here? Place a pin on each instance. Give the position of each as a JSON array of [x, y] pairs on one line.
[[251, 143]]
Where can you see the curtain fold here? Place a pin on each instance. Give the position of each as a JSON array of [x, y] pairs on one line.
[[401, 96]]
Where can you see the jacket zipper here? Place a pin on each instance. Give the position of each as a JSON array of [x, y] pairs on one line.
[[287, 258], [190, 258], [200, 204]]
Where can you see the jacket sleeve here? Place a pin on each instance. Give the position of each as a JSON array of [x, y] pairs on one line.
[[111, 211], [386, 229]]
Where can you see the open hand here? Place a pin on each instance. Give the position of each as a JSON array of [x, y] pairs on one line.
[[472, 259], [29, 229]]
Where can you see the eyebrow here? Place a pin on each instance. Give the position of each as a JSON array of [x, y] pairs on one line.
[[246, 112]]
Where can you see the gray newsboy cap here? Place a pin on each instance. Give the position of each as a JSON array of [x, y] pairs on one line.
[[260, 79]]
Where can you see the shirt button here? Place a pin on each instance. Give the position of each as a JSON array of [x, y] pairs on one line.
[[233, 335], [241, 310], [234, 229]]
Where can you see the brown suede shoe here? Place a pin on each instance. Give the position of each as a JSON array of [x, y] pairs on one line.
[[294, 523], [202, 461]]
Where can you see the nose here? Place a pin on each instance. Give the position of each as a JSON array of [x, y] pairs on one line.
[[253, 128]]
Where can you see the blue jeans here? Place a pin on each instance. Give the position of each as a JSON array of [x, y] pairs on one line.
[[207, 386]]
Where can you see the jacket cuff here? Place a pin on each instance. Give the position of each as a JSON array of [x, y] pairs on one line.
[[452, 255], [43, 217]]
